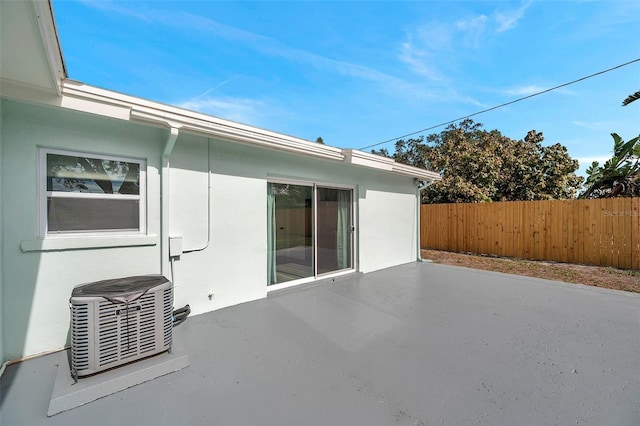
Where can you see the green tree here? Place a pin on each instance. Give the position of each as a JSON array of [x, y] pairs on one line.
[[618, 176], [478, 165]]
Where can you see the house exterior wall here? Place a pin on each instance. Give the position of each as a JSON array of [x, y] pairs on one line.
[[234, 265], [217, 204], [37, 284], [2, 321]]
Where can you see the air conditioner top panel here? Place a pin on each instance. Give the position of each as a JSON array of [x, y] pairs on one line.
[[119, 286]]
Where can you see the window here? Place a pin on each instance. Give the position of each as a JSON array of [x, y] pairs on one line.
[[89, 193]]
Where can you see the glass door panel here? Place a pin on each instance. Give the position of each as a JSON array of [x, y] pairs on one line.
[[290, 232], [334, 230]]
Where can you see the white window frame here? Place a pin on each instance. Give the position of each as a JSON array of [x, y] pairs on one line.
[[43, 195]]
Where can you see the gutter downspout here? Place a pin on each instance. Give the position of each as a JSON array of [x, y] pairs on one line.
[[418, 212], [164, 199], [418, 230]]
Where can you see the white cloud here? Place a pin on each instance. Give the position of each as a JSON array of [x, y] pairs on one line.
[[525, 90], [531, 89], [216, 87], [428, 48], [595, 125], [473, 28], [509, 19], [110, 6], [471, 101], [474, 23], [263, 44], [586, 161], [425, 48], [438, 36], [242, 110], [420, 60]]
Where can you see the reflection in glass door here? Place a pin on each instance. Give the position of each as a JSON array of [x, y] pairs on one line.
[[333, 229], [310, 231], [290, 233]]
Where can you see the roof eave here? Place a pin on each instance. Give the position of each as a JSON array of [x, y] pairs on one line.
[[46, 24], [86, 98], [360, 158]]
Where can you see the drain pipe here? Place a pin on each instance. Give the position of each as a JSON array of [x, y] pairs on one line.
[[164, 199], [418, 213], [418, 230]]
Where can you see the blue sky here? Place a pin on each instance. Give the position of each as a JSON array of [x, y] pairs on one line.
[[361, 72]]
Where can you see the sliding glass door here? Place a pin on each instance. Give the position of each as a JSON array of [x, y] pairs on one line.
[[310, 231], [290, 233], [333, 229]]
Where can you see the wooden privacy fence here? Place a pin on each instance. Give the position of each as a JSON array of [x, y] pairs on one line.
[[593, 232]]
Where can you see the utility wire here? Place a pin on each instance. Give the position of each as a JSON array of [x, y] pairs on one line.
[[502, 105]]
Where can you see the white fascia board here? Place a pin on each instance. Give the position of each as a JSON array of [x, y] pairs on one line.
[[42, 12], [236, 132], [418, 173], [95, 100], [360, 158], [379, 162]]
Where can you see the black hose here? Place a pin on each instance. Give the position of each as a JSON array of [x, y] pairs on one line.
[[180, 315]]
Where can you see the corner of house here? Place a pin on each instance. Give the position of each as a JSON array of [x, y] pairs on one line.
[[2, 319]]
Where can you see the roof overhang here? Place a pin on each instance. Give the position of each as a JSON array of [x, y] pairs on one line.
[[31, 61], [82, 97], [85, 98], [378, 162]]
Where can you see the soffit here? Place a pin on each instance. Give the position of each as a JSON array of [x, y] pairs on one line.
[[30, 56]]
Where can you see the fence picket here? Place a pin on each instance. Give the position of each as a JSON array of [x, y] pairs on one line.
[[595, 232]]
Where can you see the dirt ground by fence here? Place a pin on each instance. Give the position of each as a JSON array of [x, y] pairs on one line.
[[597, 276]]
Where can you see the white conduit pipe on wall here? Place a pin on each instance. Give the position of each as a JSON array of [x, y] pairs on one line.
[[172, 259], [208, 201]]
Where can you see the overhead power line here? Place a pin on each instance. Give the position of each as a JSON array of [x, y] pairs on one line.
[[502, 105]]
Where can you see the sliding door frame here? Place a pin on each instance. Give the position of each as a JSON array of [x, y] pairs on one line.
[[314, 238]]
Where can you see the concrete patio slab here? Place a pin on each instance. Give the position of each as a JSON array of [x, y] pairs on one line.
[[68, 394], [417, 344]]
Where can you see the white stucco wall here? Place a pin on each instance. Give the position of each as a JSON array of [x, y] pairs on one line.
[[234, 264], [234, 267], [231, 267], [37, 284], [388, 226], [2, 322]]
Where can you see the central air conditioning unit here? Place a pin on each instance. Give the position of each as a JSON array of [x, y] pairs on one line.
[[114, 322]]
